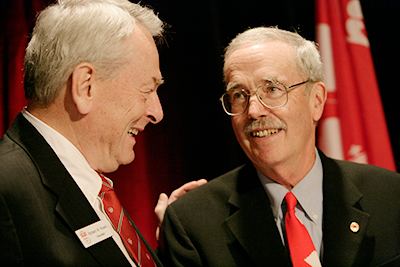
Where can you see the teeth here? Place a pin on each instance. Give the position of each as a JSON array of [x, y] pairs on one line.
[[133, 132], [264, 133]]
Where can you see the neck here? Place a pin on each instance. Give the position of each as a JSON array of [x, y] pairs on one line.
[[290, 173], [58, 116]]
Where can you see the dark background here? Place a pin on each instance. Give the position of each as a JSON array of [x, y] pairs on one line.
[[196, 133]]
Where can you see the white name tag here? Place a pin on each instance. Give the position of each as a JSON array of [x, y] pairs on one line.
[[93, 233]]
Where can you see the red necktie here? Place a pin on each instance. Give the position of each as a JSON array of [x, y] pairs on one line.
[[133, 243], [301, 247]]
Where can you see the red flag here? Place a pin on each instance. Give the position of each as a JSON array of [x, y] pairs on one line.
[[353, 126]]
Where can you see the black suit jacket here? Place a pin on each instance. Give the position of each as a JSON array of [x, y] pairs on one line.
[[41, 207], [229, 222]]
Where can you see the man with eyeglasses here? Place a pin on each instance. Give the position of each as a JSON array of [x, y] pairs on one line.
[[350, 213]]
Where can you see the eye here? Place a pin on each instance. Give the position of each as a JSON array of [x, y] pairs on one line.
[[148, 91], [272, 88], [237, 94], [271, 91]]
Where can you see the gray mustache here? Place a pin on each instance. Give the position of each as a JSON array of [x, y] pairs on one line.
[[264, 123]]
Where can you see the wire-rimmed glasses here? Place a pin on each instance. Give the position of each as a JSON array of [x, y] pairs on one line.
[[272, 95]]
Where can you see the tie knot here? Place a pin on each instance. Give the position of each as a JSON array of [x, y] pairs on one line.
[[291, 201], [105, 185]]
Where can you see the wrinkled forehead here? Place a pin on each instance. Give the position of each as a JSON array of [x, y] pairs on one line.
[[272, 61], [252, 43]]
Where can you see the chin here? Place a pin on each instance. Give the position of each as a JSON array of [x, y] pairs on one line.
[[128, 159], [109, 169], [113, 165]]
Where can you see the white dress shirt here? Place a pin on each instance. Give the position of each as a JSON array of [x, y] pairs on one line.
[[309, 207], [85, 177]]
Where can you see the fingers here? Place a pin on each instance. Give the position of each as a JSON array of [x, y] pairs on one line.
[[158, 233], [159, 210], [164, 201], [184, 189], [161, 206]]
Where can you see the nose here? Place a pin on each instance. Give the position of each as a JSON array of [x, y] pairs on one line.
[[154, 111], [256, 109]]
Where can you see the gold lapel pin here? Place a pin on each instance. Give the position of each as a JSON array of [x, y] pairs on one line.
[[354, 227]]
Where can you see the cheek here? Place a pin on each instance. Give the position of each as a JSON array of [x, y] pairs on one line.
[[131, 106], [238, 125], [300, 123]]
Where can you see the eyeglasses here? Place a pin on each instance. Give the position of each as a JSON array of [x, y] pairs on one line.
[[271, 95]]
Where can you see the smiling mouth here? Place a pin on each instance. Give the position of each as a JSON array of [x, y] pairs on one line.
[[265, 133], [133, 132]]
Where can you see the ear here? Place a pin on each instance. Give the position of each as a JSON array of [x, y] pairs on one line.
[[81, 87], [318, 99]]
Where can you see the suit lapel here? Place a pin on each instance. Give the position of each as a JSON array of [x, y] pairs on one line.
[[252, 223], [344, 225], [253, 226], [72, 205]]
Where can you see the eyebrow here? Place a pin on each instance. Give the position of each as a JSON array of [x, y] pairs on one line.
[[269, 80], [234, 85], [158, 82], [231, 86]]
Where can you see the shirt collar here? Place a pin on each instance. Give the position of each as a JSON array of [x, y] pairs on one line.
[[308, 193], [76, 164]]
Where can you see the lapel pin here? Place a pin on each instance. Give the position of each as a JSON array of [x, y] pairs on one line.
[[354, 227]]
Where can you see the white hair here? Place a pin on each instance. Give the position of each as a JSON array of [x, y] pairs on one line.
[[75, 31], [307, 56]]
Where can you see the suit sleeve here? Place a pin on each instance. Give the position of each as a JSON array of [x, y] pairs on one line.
[[10, 250], [177, 249]]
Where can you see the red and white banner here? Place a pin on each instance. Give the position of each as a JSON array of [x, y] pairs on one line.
[[353, 126]]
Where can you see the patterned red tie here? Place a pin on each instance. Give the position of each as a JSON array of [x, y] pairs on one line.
[[133, 243], [301, 247]]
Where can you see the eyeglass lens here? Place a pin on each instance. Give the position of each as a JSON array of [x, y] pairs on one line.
[[235, 101]]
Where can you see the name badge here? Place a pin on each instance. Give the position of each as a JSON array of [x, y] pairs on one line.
[[93, 233]]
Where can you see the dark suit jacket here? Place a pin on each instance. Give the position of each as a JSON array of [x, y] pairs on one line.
[[229, 222], [41, 207]]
